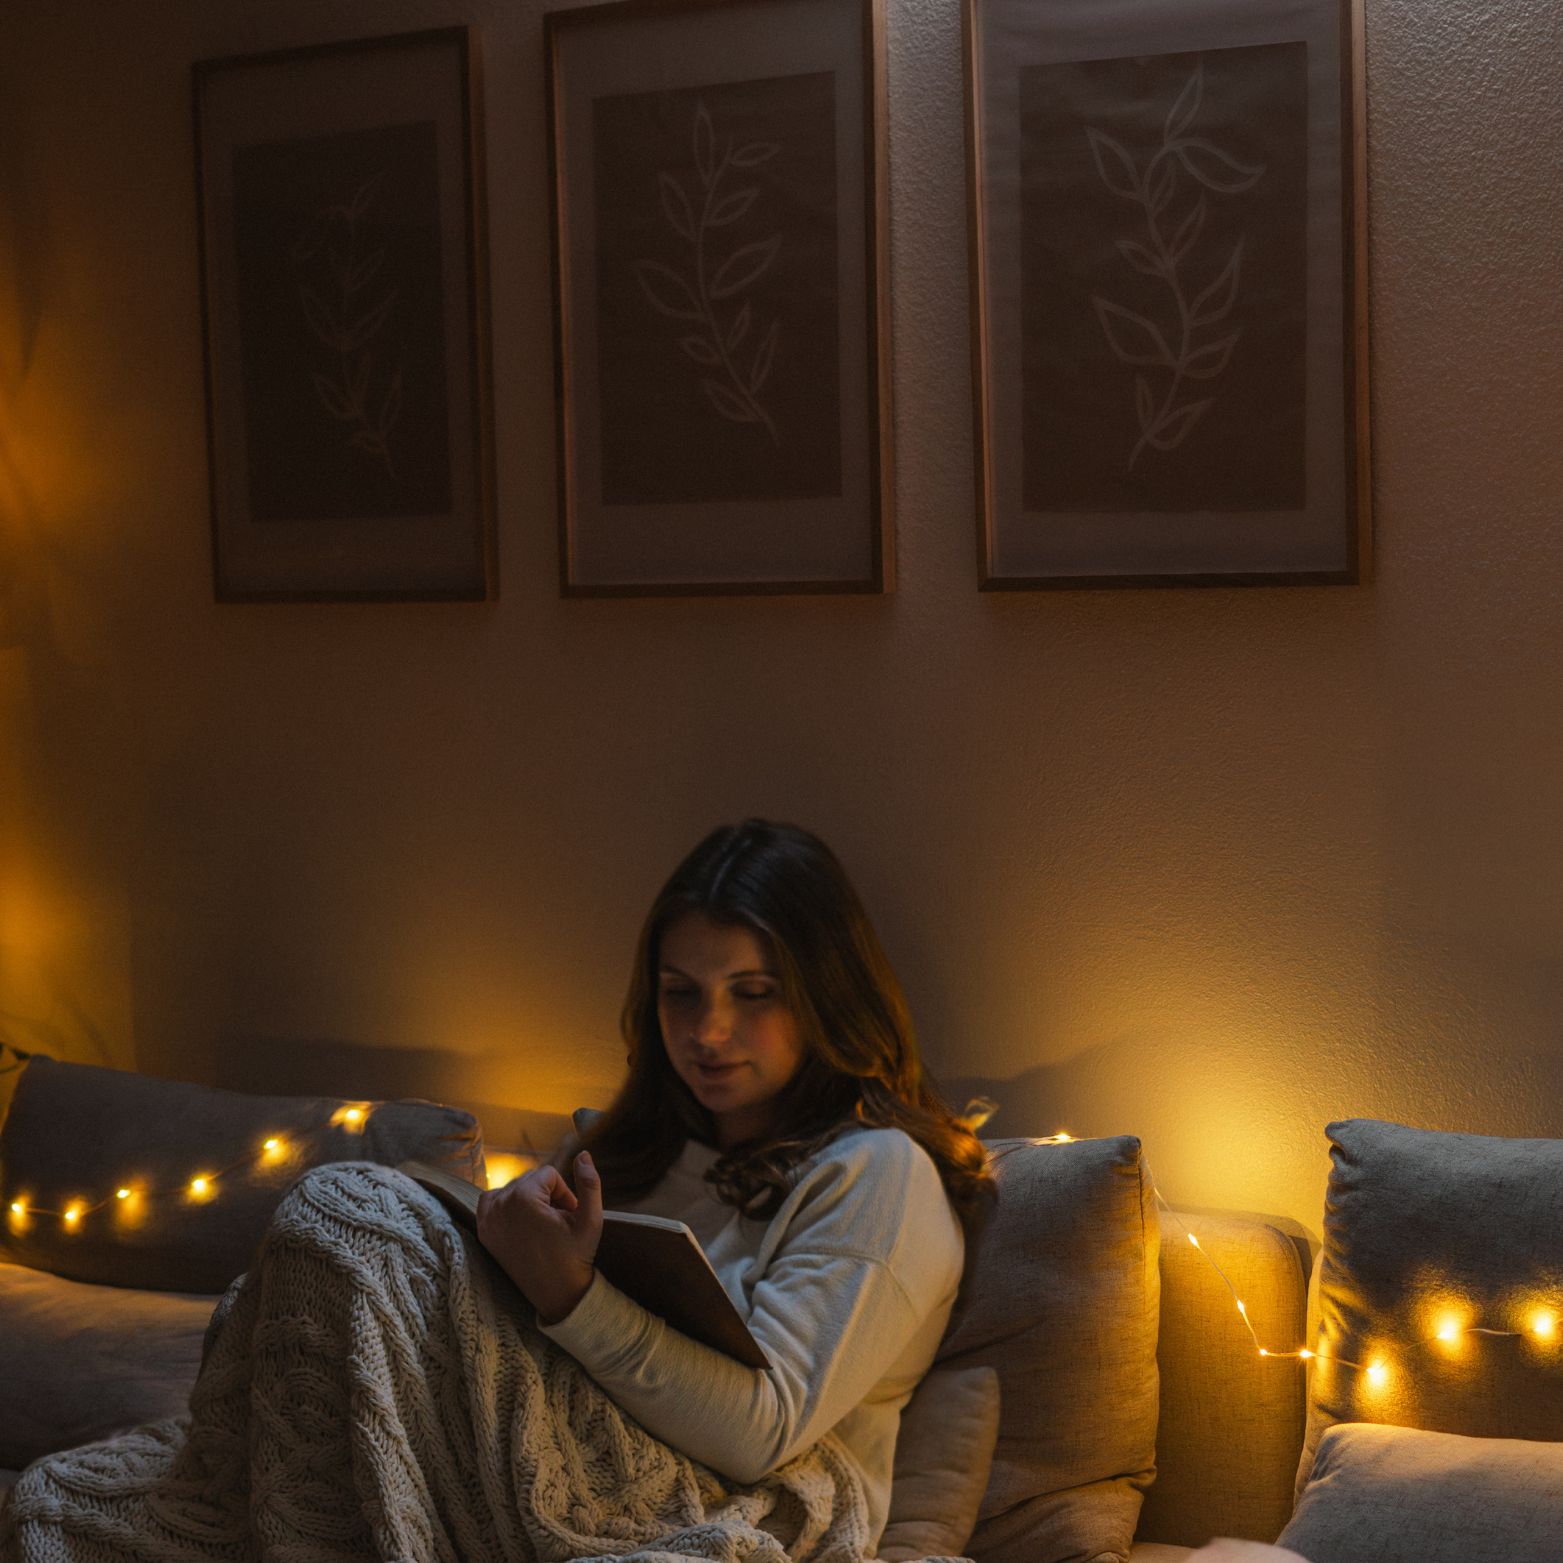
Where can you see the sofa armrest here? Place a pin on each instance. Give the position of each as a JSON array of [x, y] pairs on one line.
[[80, 1361]]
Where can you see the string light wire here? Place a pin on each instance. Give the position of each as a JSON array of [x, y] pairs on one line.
[[354, 1116], [200, 1186], [1544, 1323]]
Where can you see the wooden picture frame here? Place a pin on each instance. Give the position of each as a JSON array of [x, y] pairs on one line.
[[719, 213], [339, 192], [1168, 292]]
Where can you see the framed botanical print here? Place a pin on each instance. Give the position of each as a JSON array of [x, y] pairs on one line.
[[1168, 271], [340, 200], [719, 254]]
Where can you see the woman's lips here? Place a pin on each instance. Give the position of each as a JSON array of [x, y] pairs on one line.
[[714, 1072]]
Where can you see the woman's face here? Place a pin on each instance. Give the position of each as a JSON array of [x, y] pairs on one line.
[[725, 1023]]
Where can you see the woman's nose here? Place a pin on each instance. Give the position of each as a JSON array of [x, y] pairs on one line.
[[715, 1020]]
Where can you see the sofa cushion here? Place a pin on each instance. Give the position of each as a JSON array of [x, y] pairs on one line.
[[1231, 1422], [1426, 1232], [79, 1362], [77, 1133], [1061, 1300], [943, 1457], [1401, 1495]]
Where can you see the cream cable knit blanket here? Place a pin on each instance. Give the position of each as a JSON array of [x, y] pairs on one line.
[[371, 1391]]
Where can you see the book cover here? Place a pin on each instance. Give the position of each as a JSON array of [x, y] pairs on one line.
[[656, 1261]]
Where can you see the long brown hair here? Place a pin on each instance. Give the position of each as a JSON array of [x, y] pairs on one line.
[[861, 1063]]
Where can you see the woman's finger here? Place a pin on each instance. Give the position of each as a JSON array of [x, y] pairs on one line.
[[547, 1185], [588, 1219]]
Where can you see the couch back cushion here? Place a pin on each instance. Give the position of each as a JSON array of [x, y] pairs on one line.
[[77, 1134], [1231, 1423], [1061, 1299], [1427, 1232], [79, 1362]]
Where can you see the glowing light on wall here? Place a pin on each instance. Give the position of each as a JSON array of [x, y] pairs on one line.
[[505, 1166]]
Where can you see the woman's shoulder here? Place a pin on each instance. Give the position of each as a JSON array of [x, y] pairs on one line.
[[884, 1165], [876, 1192]]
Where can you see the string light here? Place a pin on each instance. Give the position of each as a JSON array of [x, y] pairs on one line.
[[1543, 1322], [200, 1186]]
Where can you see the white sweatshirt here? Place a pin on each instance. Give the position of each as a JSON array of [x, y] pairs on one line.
[[848, 1288]]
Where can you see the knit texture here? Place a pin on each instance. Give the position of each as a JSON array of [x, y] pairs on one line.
[[373, 1389]]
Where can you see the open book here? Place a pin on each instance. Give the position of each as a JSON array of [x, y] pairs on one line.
[[656, 1261]]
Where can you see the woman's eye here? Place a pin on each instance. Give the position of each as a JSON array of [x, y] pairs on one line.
[[756, 995], [677, 995]]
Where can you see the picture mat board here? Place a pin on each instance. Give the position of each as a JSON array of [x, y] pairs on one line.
[[1021, 548], [327, 93], [774, 265], [817, 543]]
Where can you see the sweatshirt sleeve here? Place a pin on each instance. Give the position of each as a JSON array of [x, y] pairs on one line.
[[863, 1250]]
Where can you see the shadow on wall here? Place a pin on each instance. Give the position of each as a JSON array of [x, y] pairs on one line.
[[295, 1066]]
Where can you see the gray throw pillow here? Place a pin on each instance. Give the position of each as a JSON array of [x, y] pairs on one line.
[[77, 1133], [1427, 1231], [1061, 1300], [1400, 1495]]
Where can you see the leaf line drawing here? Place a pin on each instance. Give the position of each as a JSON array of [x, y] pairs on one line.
[[731, 387], [1188, 351], [346, 314]]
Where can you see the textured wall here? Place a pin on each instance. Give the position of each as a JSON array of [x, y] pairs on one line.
[[1208, 866]]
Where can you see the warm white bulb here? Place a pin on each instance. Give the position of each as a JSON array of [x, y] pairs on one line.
[[199, 1185], [18, 1208], [121, 1193], [1377, 1373], [72, 1215], [1449, 1330], [273, 1145], [1194, 1240], [1544, 1324], [1305, 1355]]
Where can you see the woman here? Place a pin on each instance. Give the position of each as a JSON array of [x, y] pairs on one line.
[[775, 1103], [371, 1390]]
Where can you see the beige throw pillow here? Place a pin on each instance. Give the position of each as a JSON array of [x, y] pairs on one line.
[[943, 1454], [1062, 1300]]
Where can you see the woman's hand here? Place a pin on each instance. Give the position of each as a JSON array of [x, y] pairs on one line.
[[544, 1236]]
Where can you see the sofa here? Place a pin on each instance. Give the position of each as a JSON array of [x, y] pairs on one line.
[[1137, 1415]]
